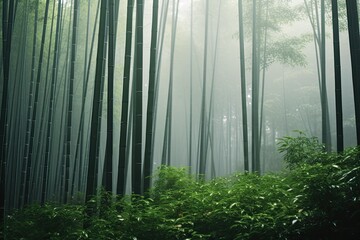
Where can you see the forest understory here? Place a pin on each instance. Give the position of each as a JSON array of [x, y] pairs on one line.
[[317, 197]]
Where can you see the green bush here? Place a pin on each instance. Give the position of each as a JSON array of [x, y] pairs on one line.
[[300, 149], [50, 221], [318, 198]]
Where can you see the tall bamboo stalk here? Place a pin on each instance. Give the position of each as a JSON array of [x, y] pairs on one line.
[[354, 38], [149, 145], [26, 164], [110, 99], [337, 69], [324, 101], [122, 169], [70, 98], [49, 132], [136, 174], [243, 87], [203, 120], [94, 131], [166, 157], [7, 27], [191, 86], [255, 92], [79, 152]]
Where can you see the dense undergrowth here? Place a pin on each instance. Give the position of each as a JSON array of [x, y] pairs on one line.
[[318, 197]]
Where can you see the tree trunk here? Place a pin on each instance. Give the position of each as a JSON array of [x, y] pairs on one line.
[[122, 170], [94, 129], [337, 68], [31, 116], [51, 103], [191, 87], [138, 84], [150, 108], [324, 102], [354, 38], [255, 93], [7, 26], [70, 99], [110, 100], [166, 157], [203, 145], [243, 87]]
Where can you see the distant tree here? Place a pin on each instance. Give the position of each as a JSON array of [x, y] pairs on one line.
[[166, 156], [267, 48], [316, 16], [191, 86], [255, 70], [243, 85], [210, 123], [203, 120]]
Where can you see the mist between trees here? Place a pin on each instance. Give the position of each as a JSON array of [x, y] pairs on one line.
[[102, 93]]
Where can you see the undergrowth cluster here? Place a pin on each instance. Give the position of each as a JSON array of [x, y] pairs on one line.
[[318, 197]]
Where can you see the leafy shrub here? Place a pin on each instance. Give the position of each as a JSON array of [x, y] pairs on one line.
[[300, 149], [45, 222], [319, 198], [171, 181], [330, 193]]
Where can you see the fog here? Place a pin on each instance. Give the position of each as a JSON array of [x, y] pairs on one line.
[[198, 120]]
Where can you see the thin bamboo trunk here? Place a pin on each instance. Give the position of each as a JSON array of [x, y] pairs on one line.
[[262, 93], [337, 68], [49, 132], [210, 135], [94, 143], [166, 157], [255, 92], [191, 86], [79, 152], [70, 99], [122, 170], [203, 120], [317, 22], [354, 38], [7, 22], [136, 165], [15, 124], [26, 164], [160, 44], [110, 99], [324, 102], [149, 145], [243, 87]]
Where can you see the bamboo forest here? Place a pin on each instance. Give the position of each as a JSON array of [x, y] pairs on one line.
[[180, 119]]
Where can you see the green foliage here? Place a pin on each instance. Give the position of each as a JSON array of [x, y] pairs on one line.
[[300, 149], [171, 181], [330, 195], [319, 198], [50, 221], [286, 51]]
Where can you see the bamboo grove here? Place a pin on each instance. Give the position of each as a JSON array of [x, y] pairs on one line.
[[90, 91]]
